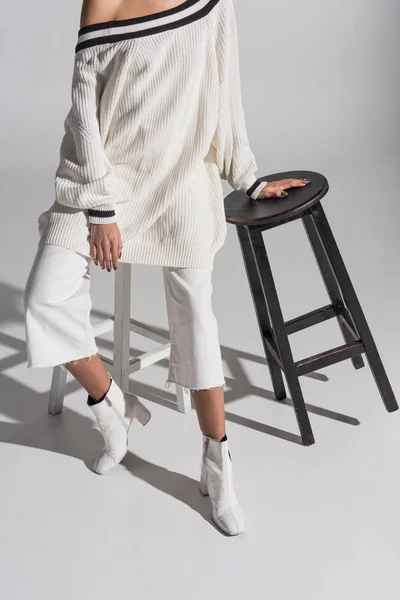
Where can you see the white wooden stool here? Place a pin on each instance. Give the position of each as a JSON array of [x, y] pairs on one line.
[[121, 365]]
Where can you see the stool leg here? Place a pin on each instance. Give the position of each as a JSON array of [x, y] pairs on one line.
[[183, 399], [354, 307], [330, 282], [280, 335], [122, 315], [57, 390], [261, 310]]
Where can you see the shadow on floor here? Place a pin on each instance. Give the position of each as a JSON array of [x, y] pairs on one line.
[[73, 435]]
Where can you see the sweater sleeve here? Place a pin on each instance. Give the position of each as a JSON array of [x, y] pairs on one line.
[[84, 177], [235, 159]]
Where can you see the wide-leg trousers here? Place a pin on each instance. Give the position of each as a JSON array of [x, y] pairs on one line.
[[58, 327]]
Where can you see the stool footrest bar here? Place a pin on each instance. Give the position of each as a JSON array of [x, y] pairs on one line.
[[309, 319], [330, 357], [103, 326], [344, 318], [148, 358], [270, 346], [107, 360], [147, 331]]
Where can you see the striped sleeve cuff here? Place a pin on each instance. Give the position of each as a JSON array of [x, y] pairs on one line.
[[256, 188], [102, 215]]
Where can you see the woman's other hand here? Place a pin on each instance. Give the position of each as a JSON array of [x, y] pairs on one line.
[[276, 189], [105, 245]]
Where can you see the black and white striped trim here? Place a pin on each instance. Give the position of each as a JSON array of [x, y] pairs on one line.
[[101, 216], [101, 213], [256, 188], [116, 31]]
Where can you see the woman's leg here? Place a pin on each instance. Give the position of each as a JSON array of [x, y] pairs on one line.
[[59, 332], [195, 360], [91, 374], [196, 364], [57, 317], [188, 295], [210, 410]]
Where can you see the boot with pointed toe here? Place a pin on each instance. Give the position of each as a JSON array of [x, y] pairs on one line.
[[216, 482], [114, 415]]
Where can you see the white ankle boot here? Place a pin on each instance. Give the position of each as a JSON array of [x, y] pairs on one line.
[[216, 481], [114, 415]]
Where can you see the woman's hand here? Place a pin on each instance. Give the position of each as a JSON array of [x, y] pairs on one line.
[[105, 245], [277, 189]]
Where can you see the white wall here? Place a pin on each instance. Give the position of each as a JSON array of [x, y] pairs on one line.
[[319, 78]]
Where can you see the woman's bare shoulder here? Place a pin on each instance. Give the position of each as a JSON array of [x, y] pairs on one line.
[[98, 11]]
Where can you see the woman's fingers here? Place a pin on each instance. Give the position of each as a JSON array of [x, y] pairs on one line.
[[287, 184], [100, 257], [105, 245], [119, 246], [115, 254], [93, 253], [295, 182], [107, 255], [276, 189]]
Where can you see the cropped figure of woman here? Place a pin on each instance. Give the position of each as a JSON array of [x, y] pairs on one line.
[[156, 121]]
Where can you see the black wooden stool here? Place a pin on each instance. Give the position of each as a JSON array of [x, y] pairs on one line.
[[251, 218]]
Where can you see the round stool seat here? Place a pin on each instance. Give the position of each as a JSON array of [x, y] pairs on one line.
[[240, 209]]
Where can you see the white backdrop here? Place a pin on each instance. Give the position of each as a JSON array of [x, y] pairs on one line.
[[321, 92]]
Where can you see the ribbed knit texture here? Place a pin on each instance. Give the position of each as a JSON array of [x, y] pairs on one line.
[[156, 121]]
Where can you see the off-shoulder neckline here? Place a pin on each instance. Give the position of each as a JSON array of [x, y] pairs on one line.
[[133, 20], [114, 31]]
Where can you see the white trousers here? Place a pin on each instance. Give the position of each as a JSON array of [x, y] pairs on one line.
[[58, 328]]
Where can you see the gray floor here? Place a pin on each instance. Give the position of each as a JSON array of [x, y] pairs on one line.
[[322, 522]]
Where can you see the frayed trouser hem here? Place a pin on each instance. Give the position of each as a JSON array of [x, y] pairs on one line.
[[86, 355], [188, 389], [75, 362]]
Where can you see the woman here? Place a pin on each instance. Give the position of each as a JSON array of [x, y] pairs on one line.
[[156, 121]]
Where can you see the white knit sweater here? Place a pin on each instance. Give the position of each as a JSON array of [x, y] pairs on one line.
[[156, 121]]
